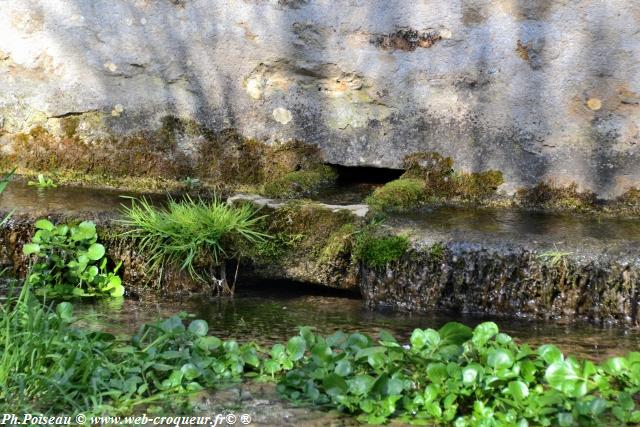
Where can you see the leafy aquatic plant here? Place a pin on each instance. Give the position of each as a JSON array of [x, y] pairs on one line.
[[194, 235], [42, 183], [452, 376], [456, 376], [49, 366], [68, 261]]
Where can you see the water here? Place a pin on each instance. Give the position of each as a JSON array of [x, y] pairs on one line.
[[23, 198], [273, 313]]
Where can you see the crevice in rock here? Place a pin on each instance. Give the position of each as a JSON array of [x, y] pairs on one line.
[[365, 174]]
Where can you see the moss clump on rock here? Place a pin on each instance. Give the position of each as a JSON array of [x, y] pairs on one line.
[[547, 195], [377, 252], [300, 183], [430, 178], [398, 195]]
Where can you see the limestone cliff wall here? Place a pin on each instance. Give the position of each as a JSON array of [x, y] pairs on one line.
[[540, 90]]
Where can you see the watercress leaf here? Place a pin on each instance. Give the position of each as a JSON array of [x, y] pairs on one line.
[[208, 343], [455, 333], [338, 338], [190, 371], [360, 385], [296, 347], [561, 376], [117, 291], [565, 419], [199, 327], [95, 252], [64, 310], [358, 341], [471, 373], [550, 353], [437, 372], [44, 224], [518, 390], [385, 336], [483, 333], [343, 368], [31, 248], [616, 365], [334, 385], [172, 324], [500, 359]]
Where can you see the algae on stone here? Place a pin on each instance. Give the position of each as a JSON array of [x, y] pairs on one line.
[[300, 183]]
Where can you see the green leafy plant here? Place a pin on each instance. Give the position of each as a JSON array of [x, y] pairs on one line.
[[42, 183], [456, 376], [49, 366], [69, 261], [450, 376], [195, 236]]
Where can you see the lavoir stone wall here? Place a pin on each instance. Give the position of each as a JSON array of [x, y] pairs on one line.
[[545, 90]]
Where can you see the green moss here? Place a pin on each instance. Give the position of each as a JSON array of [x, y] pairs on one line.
[[550, 196], [69, 126], [477, 186], [399, 195], [339, 244], [300, 183], [377, 252], [443, 183], [630, 198], [437, 250]]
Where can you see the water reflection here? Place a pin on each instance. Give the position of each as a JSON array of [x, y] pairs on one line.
[[274, 313]]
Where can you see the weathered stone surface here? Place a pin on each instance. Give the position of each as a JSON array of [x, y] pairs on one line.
[[544, 90]]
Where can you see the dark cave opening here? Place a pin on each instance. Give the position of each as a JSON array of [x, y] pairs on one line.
[[348, 175]]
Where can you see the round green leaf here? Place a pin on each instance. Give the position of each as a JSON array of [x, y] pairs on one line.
[[31, 248], [518, 390], [199, 327], [470, 374], [44, 224], [343, 368], [500, 359], [95, 252], [483, 333], [64, 310], [437, 372], [296, 348]]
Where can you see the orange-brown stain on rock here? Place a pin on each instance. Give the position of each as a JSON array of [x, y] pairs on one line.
[[522, 50]]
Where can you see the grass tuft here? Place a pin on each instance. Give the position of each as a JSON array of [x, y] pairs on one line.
[[192, 234]]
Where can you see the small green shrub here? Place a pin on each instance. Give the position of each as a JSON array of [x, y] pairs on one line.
[[196, 236], [377, 252], [300, 183], [399, 195], [68, 261]]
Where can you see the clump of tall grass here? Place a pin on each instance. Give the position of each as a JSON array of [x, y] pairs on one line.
[[195, 235]]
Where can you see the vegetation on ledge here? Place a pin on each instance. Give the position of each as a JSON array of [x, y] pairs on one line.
[[430, 178], [301, 183], [196, 236]]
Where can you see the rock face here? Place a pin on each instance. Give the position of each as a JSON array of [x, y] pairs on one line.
[[540, 90]]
